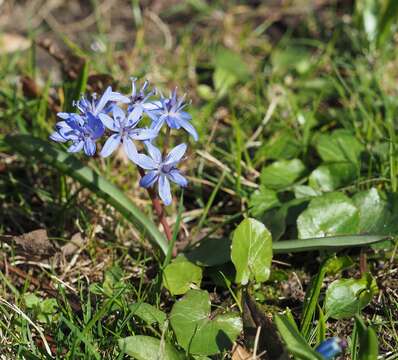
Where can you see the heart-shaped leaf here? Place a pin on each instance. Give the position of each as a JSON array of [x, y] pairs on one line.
[[262, 200], [148, 313], [329, 177], [330, 214], [282, 173], [142, 347], [346, 297], [210, 252], [283, 145], [339, 146], [196, 331], [251, 251], [180, 275], [378, 212]]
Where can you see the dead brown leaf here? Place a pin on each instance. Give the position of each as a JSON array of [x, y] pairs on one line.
[[34, 243], [73, 245]]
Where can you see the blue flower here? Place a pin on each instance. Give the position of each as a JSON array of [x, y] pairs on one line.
[[332, 347], [83, 132], [170, 111], [139, 102], [95, 107], [125, 132], [162, 170]]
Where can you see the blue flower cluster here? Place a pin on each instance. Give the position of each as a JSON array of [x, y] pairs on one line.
[[119, 115]]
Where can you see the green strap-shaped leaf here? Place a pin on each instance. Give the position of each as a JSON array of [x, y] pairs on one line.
[[68, 164], [326, 243]]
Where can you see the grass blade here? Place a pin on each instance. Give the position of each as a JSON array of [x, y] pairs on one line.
[[70, 165], [331, 243]]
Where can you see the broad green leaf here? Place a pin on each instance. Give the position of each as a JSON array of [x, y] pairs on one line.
[[148, 313], [283, 145], [368, 343], [68, 164], [330, 214], [329, 177], [142, 347], [180, 275], [281, 174], [303, 191], [294, 341], [378, 213], [210, 252], [196, 331], [347, 297], [340, 146], [262, 200], [277, 220], [251, 251]]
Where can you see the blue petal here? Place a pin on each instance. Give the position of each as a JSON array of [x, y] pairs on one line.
[[154, 114], [75, 121], [173, 122], [149, 179], [76, 147], [103, 101], [184, 115], [143, 134], [152, 105], [118, 115], [154, 152], [189, 128], [130, 149], [145, 162], [164, 190], [110, 145], [134, 116], [330, 348], [175, 155], [95, 126], [157, 124], [63, 115], [89, 147], [62, 124], [68, 133], [109, 122], [117, 97], [176, 177], [56, 136]]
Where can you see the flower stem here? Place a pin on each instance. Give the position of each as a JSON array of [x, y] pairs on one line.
[[159, 210]]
